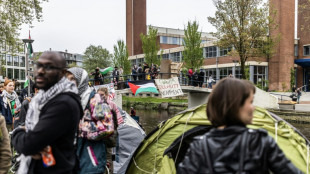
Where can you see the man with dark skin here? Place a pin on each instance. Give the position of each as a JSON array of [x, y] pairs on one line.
[[51, 121]]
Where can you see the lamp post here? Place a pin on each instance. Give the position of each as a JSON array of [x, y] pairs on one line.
[[235, 63], [27, 41]]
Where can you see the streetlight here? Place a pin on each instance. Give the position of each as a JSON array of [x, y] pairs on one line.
[[28, 41], [235, 62]]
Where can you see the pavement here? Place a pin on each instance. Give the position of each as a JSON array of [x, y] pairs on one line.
[[304, 103]]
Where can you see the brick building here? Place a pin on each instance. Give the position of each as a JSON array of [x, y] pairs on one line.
[[276, 71]]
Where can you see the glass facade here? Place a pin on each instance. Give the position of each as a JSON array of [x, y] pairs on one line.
[[175, 57], [210, 51], [224, 51], [260, 75], [22, 74], [10, 73], [9, 60], [224, 72], [171, 40], [16, 74], [16, 61], [22, 61]]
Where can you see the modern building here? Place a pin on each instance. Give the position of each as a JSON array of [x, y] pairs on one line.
[[13, 64], [292, 52]]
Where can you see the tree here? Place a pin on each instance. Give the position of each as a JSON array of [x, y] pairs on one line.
[[150, 46], [192, 54], [121, 56], [73, 64], [244, 25], [13, 14], [96, 56]]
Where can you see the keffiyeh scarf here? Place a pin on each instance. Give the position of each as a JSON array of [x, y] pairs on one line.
[[6, 96], [35, 107]]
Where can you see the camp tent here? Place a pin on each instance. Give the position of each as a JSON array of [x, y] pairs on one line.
[[166, 146], [130, 136]]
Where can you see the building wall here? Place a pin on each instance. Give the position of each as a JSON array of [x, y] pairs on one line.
[[135, 25], [283, 60]]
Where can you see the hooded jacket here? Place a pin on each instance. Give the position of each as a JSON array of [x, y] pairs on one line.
[[260, 153]]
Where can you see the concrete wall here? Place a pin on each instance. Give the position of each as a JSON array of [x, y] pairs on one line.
[[265, 100], [197, 98]]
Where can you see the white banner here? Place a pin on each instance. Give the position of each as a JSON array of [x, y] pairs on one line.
[[169, 87], [110, 87]]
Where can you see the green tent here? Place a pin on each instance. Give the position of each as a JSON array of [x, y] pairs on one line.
[[165, 147]]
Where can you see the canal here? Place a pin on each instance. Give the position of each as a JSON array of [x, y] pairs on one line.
[[149, 119]]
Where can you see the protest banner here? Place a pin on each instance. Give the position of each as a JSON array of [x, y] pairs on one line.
[[110, 87], [169, 87]]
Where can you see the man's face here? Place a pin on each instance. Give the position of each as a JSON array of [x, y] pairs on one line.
[[48, 71]]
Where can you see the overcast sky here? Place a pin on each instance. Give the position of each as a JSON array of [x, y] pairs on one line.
[[75, 24]]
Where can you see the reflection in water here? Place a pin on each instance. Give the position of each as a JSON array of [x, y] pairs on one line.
[[149, 119]]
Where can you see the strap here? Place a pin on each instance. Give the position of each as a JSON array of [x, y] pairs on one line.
[[243, 149], [205, 148]]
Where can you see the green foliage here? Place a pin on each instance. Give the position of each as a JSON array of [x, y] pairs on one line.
[[247, 72], [244, 25], [121, 57], [263, 85], [96, 56], [71, 65], [192, 54], [292, 82], [14, 13], [150, 46], [2, 68]]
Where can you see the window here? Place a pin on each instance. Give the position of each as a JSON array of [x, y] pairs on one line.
[[175, 57], [238, 73], [224, 72], [164, 39], [211, 72], [16, 74], [22, 74], [175, 41], [224, 51], [9, 59], [307, 50], [10, 73], [22, 61], [15, 60], [165, 56], [210, 51], [260, 75]]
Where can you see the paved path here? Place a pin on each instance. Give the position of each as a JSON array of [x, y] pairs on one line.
[[304, 104]]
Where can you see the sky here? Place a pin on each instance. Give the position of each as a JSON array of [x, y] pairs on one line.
[[73, 25]]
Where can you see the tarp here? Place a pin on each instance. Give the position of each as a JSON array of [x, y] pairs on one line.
[[130, 136], [165, 147]]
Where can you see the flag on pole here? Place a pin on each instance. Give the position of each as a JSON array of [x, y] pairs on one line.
[[30, 47], [26, 83], [142, 86]]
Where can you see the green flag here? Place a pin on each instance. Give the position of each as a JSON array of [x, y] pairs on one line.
[[26, 83]]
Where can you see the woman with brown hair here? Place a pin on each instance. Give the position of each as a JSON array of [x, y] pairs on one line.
[[230, 147], [9, 103]]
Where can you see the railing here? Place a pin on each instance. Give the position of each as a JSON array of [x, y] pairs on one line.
[[183, 79], [281, 95]]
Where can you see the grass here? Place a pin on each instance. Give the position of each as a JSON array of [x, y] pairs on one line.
[[153, 100]]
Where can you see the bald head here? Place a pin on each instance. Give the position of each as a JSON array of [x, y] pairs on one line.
[[55, 57]]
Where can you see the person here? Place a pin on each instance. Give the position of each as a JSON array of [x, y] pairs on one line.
[[154, 72], [51, 121], [231, 147], [5, 148], [201, 76], [298, 93], [97, 76], [134, 72], [132, 112], [118, 120], [189, 75], [195, 78], [145, 70], [140, 72], [293, 88], [9, 104], [80, 78], [115, 74], [121, 72], [231, 76], [210, 82], [1, 88]]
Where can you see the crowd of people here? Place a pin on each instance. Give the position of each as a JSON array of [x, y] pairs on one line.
[[69, 127]]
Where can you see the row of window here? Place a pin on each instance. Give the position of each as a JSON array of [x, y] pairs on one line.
[[11, 60], [174, 40], [18, 74], [213, 51], [5, 48]]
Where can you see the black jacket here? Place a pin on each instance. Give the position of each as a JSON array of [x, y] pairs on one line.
[[261, 153], [57, 126]]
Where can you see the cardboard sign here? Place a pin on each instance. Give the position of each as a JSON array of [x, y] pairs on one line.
[[169, 87]]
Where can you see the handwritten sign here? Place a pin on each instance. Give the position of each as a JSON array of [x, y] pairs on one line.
[[110, 87], [169, 87]]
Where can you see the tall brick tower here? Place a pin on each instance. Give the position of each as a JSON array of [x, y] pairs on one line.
[[283, 60], [135, 25]]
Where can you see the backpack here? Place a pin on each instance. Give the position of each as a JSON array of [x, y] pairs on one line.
[[97, 122]]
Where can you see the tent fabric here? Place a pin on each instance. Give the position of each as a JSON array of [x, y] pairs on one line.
[[303, 62], [130, 136], [150, 156]]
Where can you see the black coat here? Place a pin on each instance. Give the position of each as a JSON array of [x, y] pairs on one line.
[[261, 153], [57, 125]]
